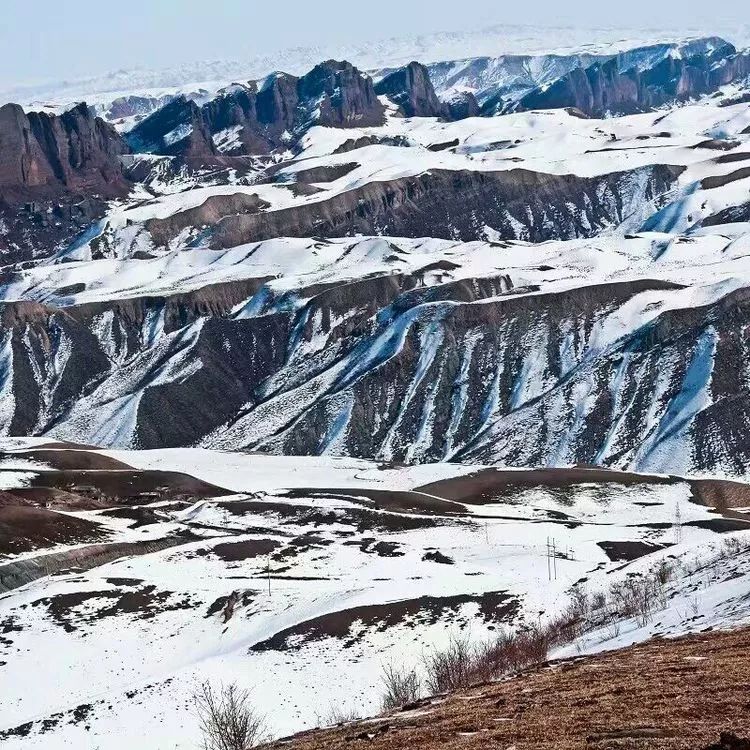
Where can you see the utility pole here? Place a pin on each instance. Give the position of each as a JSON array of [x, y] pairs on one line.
[[268, 572], [554, 556], [549, 569], [677, 523]]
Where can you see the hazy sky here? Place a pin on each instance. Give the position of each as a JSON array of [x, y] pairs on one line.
[[50, 39]]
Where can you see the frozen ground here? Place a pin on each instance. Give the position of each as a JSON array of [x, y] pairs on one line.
[[308, 576]]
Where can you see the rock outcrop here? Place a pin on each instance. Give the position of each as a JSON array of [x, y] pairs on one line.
[[514, 204], [254, 118], [46, 155], [411, 90], [386, 367], [618, 87], [178, 128], [55, 174]]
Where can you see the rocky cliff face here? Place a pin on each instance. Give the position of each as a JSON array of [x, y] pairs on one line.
[[55, 174], [410, 88], [176, 129], [404, 367], [46, 153], [258, 118], [515, 204], [617, 87]]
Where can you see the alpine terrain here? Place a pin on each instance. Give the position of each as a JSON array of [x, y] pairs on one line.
[[380, 375]]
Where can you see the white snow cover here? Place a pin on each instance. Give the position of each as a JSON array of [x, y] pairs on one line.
[[141, 661], [131, 639]]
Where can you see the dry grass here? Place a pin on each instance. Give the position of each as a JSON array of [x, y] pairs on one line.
[[666, 694]]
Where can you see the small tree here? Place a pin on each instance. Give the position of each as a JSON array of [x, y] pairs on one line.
[[227, 718]]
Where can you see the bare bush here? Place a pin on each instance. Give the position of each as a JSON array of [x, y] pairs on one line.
[[228, 719], [401, 687], [450, 669], [462, 664]]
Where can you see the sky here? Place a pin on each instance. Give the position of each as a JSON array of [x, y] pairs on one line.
[[47, 39]]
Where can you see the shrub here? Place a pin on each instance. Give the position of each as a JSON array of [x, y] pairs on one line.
[[227, 718], [401, 687], [339, 715], [450, 668]]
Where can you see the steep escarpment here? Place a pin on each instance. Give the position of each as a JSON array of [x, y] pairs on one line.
[[411, 90], [55, 174], [514, 204], [48, 154], [404, 367], [258, 117], [618, 87]]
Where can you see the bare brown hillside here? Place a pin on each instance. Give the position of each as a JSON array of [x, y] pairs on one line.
[[664, 694]]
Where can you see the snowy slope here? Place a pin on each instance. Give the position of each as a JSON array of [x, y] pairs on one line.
[[146, 629], [314, 330]]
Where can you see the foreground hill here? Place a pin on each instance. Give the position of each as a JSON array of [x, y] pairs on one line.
[[300, 577], [665, 694]]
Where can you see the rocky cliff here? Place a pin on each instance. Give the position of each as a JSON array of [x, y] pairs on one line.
[[514, 204], [258, 118], [56, 173], [617, 87], [43, 154]]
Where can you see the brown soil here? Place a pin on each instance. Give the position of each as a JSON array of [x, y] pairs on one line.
[[245, 550], [58, 456], [395, 501], [662, 695], [492, 485], [363, 520], [145, 603], [494, 607], [721, 494], [621, 551], [24, 528], [119, 487], [488, 485]]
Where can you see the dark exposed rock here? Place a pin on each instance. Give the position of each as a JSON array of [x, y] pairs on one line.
[[382, 338], [47, 155], [730, 741], [731, 215], [462, 105], [209, 212], [616, 87], [176, 129], [325, 173], [352, 144], [257, 119], [336, 94], [55, 172], [411, 90], [517, 204]]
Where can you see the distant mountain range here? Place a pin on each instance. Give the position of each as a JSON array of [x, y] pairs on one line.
[[210, 75]]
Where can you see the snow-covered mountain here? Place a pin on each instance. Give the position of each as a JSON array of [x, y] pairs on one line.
[[303, 372], [576, 310], [493, 42]]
